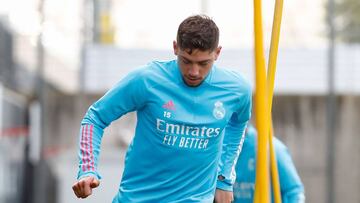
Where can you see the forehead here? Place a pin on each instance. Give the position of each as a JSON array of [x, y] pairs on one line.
[[196, 55]]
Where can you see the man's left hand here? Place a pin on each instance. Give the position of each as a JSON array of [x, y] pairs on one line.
[[222, 196]]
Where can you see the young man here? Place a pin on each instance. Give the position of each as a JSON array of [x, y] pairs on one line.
[[292, 190], [191, 116]]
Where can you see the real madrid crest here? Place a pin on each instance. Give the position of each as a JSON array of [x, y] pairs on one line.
[[219, 111]]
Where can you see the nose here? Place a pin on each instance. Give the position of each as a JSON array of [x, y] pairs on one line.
[[194, 71]]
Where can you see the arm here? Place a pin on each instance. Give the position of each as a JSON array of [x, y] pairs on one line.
[[233, 139], [128, 95], [292, 189]]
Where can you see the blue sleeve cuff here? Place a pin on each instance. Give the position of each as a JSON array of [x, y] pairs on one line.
[[224, 186], [89, 174]]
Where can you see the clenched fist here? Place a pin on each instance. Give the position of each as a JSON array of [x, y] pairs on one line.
[[83, 187]]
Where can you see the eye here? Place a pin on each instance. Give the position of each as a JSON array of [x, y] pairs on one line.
[[185, 61], [204, 63]]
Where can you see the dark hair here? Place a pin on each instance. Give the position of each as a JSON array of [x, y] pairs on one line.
[[198, 32]]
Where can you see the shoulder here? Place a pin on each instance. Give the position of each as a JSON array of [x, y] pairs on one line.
[[279, 145], [281, 150], [152, 68], [230, 79], [153, 73]]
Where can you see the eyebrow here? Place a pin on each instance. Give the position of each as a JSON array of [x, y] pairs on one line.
[[204, 61]]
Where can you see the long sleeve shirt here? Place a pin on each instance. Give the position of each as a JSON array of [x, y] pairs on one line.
[[180, 145], [291, 187]]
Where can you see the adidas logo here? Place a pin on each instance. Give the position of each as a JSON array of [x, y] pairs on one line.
[[169, 105]]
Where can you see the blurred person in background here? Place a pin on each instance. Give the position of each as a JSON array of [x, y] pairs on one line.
[[292, 189], [183, 108]]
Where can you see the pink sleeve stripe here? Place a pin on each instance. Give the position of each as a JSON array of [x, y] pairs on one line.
[[91, 164], [82, 147], [86, 147]]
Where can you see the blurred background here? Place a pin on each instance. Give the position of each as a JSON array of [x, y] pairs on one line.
[[58, 57]]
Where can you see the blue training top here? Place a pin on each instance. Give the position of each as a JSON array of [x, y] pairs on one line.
[[292, 190], [179, 146]]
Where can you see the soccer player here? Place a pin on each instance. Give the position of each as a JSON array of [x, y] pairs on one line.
[[292, 189], [191, 116]]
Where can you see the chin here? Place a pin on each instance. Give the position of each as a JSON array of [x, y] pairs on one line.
[[193, 84]]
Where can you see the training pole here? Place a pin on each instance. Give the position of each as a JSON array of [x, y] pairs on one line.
[[274, 47], [261, 111]]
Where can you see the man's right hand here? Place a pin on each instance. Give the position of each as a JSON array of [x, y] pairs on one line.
[[83, 187]]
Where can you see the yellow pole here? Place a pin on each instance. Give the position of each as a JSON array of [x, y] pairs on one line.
[[275, 35], [261, 111], [274, 170], [274, 47]]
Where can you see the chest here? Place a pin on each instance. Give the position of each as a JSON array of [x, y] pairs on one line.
[[194, 107]]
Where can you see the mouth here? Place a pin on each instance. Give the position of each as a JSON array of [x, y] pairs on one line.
[[192, 81]]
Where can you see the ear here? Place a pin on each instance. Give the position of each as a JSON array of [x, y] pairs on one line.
[[175, 47], [217, 52]]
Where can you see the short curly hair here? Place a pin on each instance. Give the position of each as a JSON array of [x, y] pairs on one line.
[[198, 32]]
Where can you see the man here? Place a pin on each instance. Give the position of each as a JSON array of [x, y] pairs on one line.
[[183, 108], [292, 190]]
